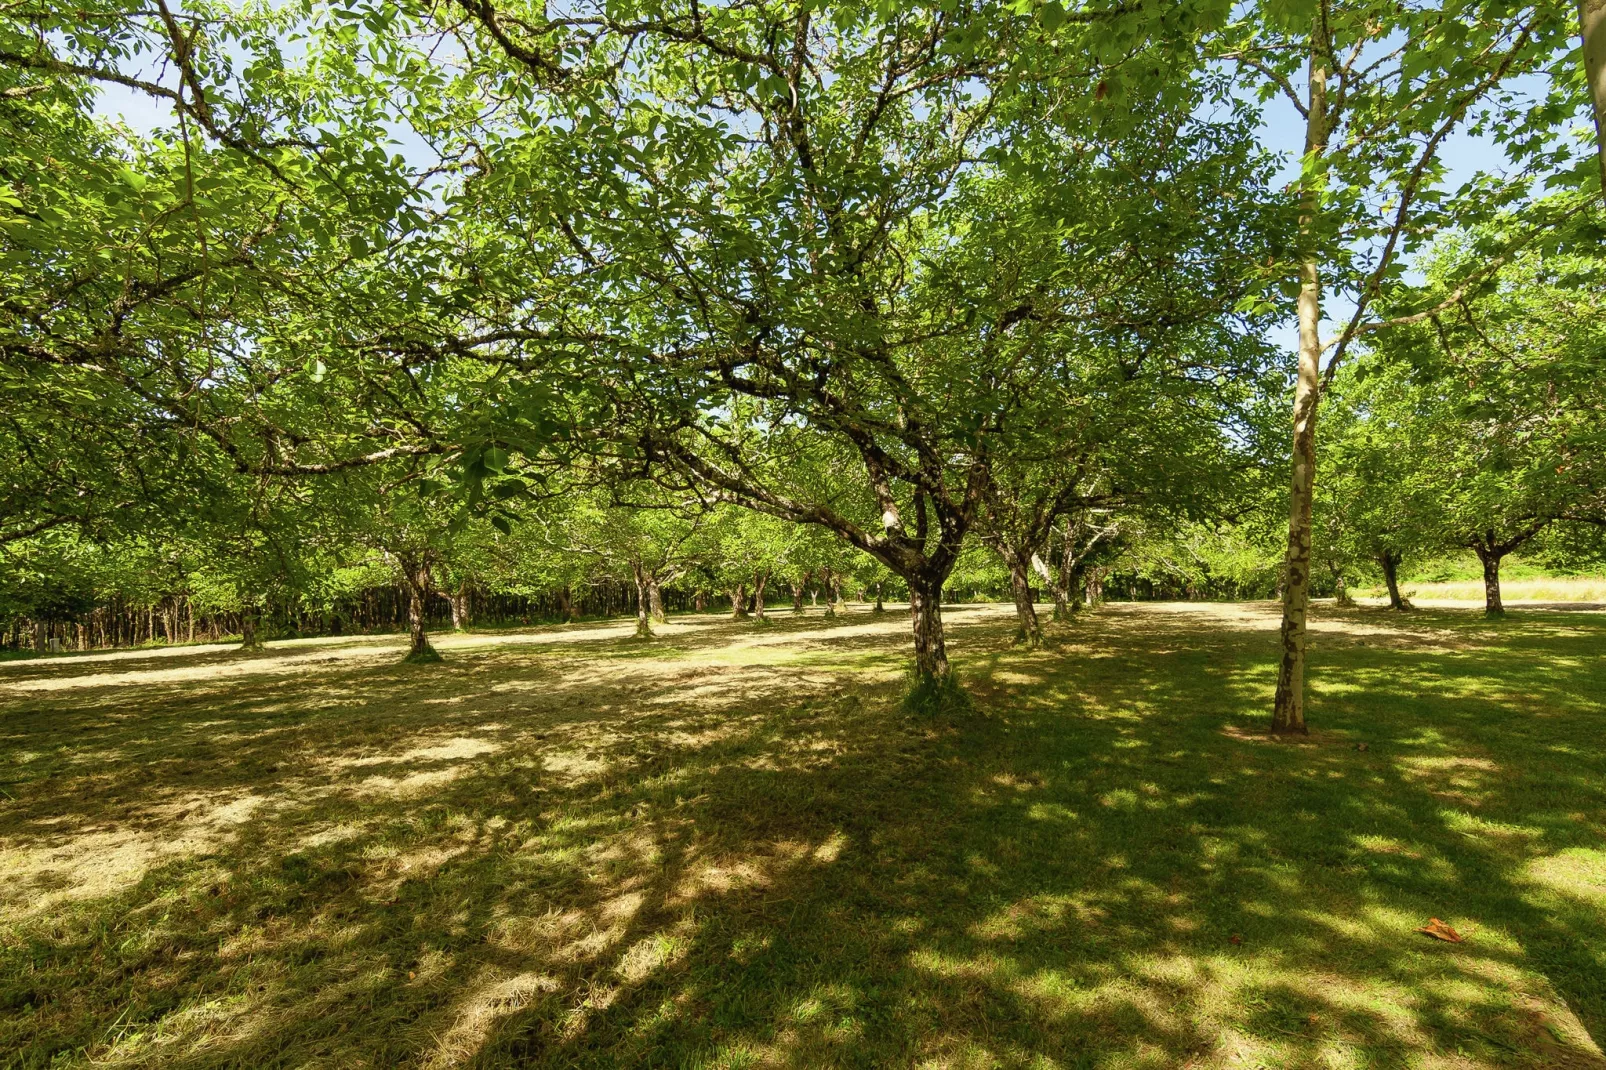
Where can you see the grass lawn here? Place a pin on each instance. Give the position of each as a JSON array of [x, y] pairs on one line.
[[727, 848]]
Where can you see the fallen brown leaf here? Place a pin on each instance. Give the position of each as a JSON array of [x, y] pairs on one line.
[[1440, 931]]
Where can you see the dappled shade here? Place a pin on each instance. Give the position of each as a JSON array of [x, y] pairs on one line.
[[728, 848]]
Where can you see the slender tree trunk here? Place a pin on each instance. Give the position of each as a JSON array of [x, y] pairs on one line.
[[797, 598], [1491, 556], [655, 601], [880, 607], [925, 611], [738, 597], [40, 638], [1592, 28], [1288, 712], [1389, 562], [839, 604], [828, 581]]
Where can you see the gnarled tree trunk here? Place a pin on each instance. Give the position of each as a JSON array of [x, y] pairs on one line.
[[738, 597], [1027, 629], [925, 612], [655, 601], [420, 584], [760, 578]]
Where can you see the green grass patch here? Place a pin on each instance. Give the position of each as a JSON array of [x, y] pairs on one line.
[[719, 852]]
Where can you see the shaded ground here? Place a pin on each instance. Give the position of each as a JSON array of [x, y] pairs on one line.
[[727, 848]]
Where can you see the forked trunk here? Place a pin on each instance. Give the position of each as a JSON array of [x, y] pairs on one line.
[[925, 612], [459, 602], [760, 578], [1389, 562], [643, 604], [1288, 711]]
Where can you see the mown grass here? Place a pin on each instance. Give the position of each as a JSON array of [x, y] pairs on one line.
[[730, 848], [1550, 589]]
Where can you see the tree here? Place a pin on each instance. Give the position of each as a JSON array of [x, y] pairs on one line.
[[1383, 89], [1495, 412]]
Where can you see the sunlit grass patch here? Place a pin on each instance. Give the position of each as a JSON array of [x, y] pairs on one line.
[[736, 850]]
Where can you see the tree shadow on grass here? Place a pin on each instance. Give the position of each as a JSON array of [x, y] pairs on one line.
[[582, 860]]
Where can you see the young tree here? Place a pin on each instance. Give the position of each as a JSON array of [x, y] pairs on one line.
[[1380, 90]]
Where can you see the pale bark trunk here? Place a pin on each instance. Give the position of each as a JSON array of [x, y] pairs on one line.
[[700, 601], [643, 604], [1288, 712], [1592, 29], [925, 611], [879, 606], [1389, 562], [1061, 596], [738, 597], [829, 582], [797, 598], [836, 594], [655, 601]]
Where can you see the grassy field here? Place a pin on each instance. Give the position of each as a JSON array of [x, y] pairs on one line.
[[726, 848], [1546, 589]]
